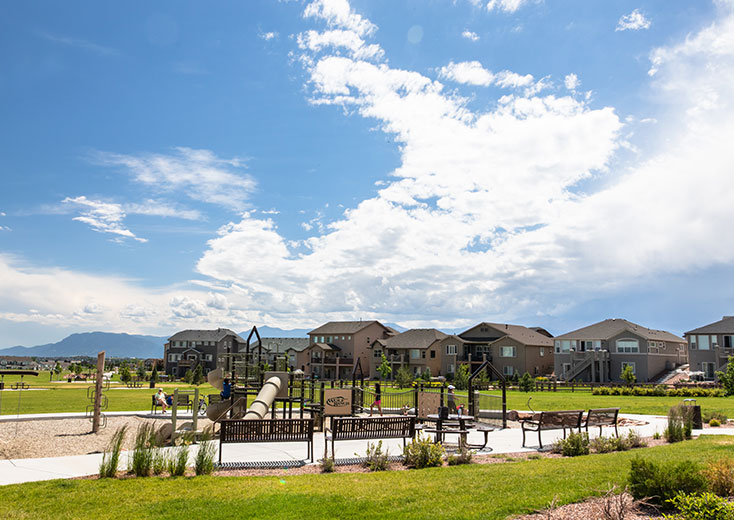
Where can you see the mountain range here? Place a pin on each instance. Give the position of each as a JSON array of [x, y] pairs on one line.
[[130, 345]]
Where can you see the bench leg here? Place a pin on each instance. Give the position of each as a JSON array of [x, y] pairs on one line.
[[616, 432], [540, 442], [523, 437], [220, 453]]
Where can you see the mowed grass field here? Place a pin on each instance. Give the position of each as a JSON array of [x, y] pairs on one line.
[[59, 396], [491, 491]]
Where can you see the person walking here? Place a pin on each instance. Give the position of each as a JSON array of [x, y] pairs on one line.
[[378, 399], [450, 398]]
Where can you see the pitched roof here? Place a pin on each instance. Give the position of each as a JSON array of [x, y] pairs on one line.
[[724, 326], [344, 327], [205, 335], [611, 327], [519, 333], [414, 338], [280, 345]]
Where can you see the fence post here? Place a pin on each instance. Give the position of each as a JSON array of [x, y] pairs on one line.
[[415, 398]]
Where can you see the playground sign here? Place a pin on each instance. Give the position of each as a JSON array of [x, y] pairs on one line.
[[337, 401]]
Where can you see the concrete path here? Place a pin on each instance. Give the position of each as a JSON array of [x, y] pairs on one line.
[[501, 441]]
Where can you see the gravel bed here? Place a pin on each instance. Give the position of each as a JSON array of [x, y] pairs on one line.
[[73, 436]]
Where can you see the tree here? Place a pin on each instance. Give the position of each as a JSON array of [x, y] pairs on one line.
[[57, 370], [628, 375], [727, 378], [385, 369], [526, 383], [141, 371], [198, 376], [125, 375], [403, 377], [461, 378], [426, 376], [188, 376], [154, 375]]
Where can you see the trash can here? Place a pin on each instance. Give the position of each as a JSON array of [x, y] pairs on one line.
[[694, 413], [2, 385]]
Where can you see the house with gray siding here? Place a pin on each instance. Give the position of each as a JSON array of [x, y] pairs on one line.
[[512, 349], [209, 348], [600, 352], [710, 346], [420, 351]]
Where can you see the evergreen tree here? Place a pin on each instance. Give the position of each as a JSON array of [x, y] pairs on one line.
[[198, 376], [727, 378], [403, 377], [628, 375], [526, 383]]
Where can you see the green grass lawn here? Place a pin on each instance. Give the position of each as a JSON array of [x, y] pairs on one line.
[[476, 491]]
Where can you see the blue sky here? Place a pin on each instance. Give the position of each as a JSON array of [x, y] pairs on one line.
[[428, 163]]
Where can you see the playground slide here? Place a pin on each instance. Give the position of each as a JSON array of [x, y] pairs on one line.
[[259, 408], [264, 399]]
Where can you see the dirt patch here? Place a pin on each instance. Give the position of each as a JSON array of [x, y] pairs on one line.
[[595, 508]]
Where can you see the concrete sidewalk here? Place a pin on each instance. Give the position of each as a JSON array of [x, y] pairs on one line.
[[501, 441]]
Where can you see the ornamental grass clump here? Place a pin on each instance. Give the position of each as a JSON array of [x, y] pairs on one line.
[[111, 457], [720, 476], [464, 456], [141, 461], [178, 458], [680, 424], [204, 459]]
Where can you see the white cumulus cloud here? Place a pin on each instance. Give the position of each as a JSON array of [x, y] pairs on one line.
[[635, 21], [470, 35]]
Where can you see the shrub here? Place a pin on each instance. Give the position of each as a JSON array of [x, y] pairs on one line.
[[634, 440], [720, 476], [403, 377], [463, 457], [160, 461], [727, 378], [526, 383], [111, 457], [714, 414], [656, 435], [179, 458], [423, 453], [141, 461], [204, 459], [575, 444], [660, 483], [705, 506], [376, 459], [327, 465], [714, 423], [603, 444]]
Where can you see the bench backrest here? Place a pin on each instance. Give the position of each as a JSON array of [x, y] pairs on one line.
[[373, 427], [602, 416], [266, 430], [561, 419]]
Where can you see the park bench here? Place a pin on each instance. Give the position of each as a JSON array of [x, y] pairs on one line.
[[184, 400], [555, 420], [602, 417], [266, 430], [365, 428]]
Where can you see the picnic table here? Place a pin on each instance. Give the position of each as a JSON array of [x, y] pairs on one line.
[[460, 425]]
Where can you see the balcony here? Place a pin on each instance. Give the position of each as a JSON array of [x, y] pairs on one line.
[[331, 360]]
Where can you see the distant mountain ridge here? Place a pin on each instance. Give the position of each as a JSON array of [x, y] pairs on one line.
[[130, 345]]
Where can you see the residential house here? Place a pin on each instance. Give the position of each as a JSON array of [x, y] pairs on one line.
[[710, 346], [210, 348], [600, 352], [287, 348], [18, 363], [337, 346], [419, 350], [512, 349]]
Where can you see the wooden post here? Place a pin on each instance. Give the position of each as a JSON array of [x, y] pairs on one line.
[[98, 392], [195, 409]]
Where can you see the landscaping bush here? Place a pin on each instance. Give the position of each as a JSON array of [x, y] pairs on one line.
[[111, 457], [179, 458], [463, 457], [403, 377], [576, 444], [604, 444], [160, 461], [720, 477], [526, 383], [714, 423], [658, 391], [633, 440], [376, 459], [660, 483], [704, 506], [204, 459], [714, 414], [327, 465], [423, 453]]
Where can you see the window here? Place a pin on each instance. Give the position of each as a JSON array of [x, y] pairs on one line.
[[378, 352], [564, 346], [692, 342], [349, 337], [542, 352], [728, 341], [508, 370], [630, 364], [171, 357], [628, 345], [714, 341], [423, 354], [451, 369], [451, 350], [703, 343], [415, 353], [208, 357], [508, 352], [433, 354], [342, 338], [329, 339], [566, 369]]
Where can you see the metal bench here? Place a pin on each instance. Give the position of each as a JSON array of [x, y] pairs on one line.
[[155, 404], [365, 428], [266, 430], [554, 420], [602, 417]]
